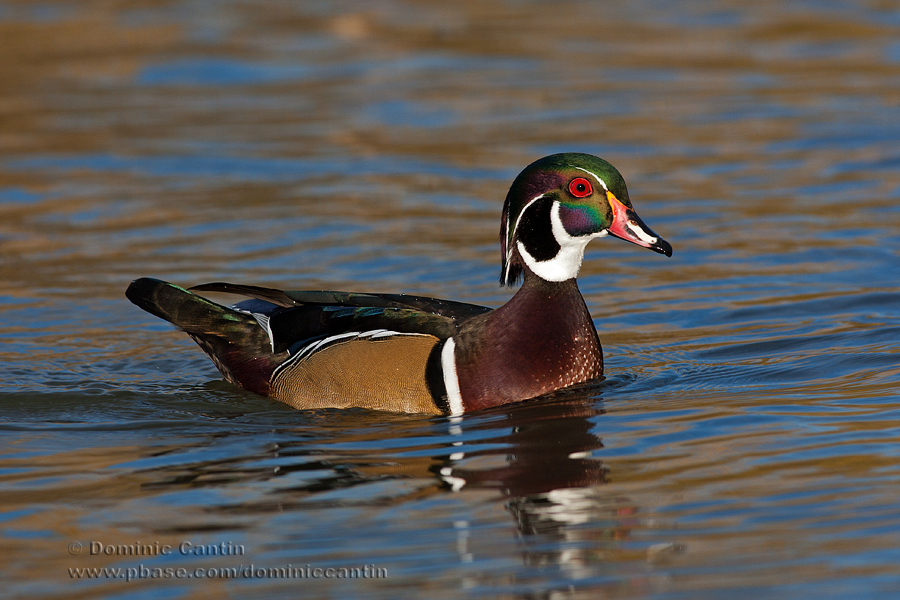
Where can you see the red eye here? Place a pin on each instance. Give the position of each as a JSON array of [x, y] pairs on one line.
[[580, 187]]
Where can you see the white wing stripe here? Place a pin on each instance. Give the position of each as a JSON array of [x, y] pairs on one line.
[[313, 347]]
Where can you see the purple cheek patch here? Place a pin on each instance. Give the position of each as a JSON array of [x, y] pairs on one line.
[[580, 220]]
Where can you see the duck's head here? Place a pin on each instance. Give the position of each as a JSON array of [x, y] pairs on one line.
[[556, 206]]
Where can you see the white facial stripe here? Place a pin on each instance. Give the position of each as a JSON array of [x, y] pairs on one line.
[[594, 175], [567, 262], [451, 378], [509, 247]]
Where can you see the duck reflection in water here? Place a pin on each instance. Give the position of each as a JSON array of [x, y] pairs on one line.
[[546, 467], [538, 455]]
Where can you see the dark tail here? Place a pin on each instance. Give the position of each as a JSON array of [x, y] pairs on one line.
[[235, 342]]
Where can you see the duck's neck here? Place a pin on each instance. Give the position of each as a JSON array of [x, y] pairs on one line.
[[541, 340]]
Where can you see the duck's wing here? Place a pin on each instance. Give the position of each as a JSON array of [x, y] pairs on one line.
[[436, 306], [297, 327], [250, 341]]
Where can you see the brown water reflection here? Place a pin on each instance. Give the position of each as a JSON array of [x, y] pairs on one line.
[[745, 440], [543, 469]]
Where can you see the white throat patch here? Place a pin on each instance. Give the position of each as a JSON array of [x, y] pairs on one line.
[[567, 262]]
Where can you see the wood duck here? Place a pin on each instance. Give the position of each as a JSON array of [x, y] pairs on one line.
[[394, 352]]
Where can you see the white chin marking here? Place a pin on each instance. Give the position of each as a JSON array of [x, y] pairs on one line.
[[451, 379], [567, 262]]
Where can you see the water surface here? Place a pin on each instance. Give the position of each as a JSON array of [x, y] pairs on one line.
[[744, 443]]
